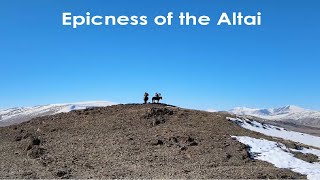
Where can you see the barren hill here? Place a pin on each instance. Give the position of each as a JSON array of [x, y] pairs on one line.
[[131, 141]]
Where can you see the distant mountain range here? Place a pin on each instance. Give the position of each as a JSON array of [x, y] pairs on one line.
[[22, 114], [290, 114]]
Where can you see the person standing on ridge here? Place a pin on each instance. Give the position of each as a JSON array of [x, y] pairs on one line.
[[146, 98]]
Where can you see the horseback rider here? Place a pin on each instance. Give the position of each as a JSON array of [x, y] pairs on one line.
[[157, 97], [146, 97]]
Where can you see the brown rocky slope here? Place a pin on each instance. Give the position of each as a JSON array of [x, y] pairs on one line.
[[131, 141]]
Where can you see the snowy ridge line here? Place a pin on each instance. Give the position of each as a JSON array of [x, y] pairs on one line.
[[279, 155], [278, 132], [22, 114], [57, 108], [283, 113]]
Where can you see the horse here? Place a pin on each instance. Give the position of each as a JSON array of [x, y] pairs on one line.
[[156, 99]]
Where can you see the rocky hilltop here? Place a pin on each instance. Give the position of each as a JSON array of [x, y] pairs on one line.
[[132, 141]]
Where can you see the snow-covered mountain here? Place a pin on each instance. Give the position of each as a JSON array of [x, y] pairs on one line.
[[292, 114], [22, 114]]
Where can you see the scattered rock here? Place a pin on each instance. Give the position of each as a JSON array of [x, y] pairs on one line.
[[183, 148], [244, 150], [225, 144], [298, 147], [157, 121], [45, 160], [22, 135], [29, 147], [228, 156], [27, 135], [63, 174], [35, 141], [156, 112], [250, 122], [29, 175], [190, 139], [158, 115], [87, 165], [18, 138], [193, 144], [173, 139], [159, 112], [36, 152], [234, 138], [158, 142], [186, 171]]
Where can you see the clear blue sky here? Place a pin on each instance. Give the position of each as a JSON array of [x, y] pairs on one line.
[[215, 67]]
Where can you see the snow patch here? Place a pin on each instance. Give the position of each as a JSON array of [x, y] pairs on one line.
[[84, 105], [279, 132], [212, 110], [280, 156]]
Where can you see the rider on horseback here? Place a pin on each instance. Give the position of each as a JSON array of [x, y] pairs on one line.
[[157, 97]]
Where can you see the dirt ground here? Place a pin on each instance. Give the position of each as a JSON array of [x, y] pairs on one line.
[[132, 141]]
